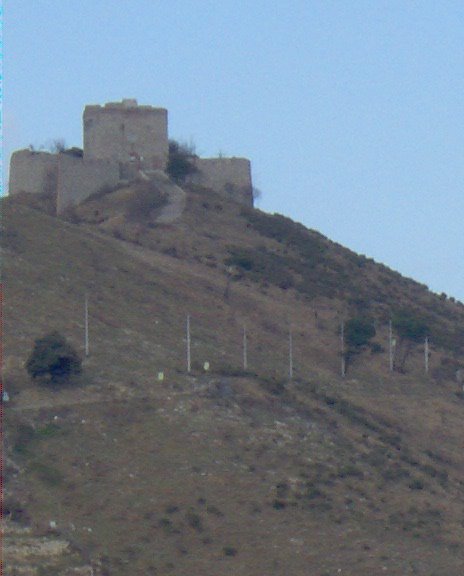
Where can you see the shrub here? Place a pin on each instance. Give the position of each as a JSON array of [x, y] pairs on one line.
[[308, 244], [409, 327], [411, 330], [261, 265], [181, 161], [53, 358], [416, 484], [48, 474], [194, 520], [358, 332]]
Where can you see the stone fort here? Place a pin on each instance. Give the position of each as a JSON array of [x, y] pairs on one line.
[[123, 141]]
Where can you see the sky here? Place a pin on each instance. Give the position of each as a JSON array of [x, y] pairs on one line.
[[351, 111]]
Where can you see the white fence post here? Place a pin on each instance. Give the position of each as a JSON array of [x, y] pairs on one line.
[[342, 349], [188, 345], [86, 325], [245, 349], [426, 354], [290, 354]]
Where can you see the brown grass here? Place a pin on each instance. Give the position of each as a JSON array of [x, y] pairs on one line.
[[223, 472]]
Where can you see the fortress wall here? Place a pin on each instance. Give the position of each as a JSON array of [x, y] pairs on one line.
[[119, 131], [33, 172], [229, 176], [79, 178]]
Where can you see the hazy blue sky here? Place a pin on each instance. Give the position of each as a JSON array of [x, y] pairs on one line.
[[351, 111]]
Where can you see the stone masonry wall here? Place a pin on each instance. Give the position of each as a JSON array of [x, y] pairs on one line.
[[33, 172], [79, 178], [125, 132], [120, 139], [228, 176]]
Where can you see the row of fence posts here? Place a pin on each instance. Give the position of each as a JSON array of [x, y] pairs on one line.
[[391, 346]]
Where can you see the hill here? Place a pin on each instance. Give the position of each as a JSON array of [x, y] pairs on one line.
[[233, 469]]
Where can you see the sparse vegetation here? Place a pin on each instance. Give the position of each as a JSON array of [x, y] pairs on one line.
[[146, 199], [47, 473], [139, 460]]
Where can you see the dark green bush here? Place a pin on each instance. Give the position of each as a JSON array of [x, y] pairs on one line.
[[181, 161], [261, 265], [358, 332], [416, 484], [53, 358], [408, 326], [411, 330], [194, 520], [309, 244]]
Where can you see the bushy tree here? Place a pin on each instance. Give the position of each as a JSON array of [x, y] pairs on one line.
[[409, 327], [53, 359], [410, 330], [181, 161], [359, 332]]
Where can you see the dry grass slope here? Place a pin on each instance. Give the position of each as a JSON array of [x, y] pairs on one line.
[[228, 471]]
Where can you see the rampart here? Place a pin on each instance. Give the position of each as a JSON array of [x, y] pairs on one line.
[[122, 142], [33, 172], [125, 132], [78, 178], [228, 176]]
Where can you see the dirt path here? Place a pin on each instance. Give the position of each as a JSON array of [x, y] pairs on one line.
[[175, 207], [176, 197]]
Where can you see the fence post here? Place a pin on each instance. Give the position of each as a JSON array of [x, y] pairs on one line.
[[245, 349], [290, 354], [426, 354], [188, 345], [342, 349], [86, 325]]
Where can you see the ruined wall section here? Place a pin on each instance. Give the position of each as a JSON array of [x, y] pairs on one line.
[[125, 132], [33, 172], [78, 178], [228, 176]]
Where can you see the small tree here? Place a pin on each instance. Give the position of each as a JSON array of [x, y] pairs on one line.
[[358, 333], [410, 330], [53, 359], [58, 145], [181, 161]]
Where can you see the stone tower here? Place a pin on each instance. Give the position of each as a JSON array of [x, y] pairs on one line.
[[126, 133]]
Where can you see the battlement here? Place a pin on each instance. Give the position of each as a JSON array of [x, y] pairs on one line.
[[122, 141]]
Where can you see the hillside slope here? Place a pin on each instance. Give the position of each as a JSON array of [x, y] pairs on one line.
[[229, 470]]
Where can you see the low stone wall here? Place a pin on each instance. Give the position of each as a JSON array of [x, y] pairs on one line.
[[79, 178], [228, 176], [33, 172]]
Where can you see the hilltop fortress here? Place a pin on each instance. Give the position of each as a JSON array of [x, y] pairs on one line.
[[122, 143]]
